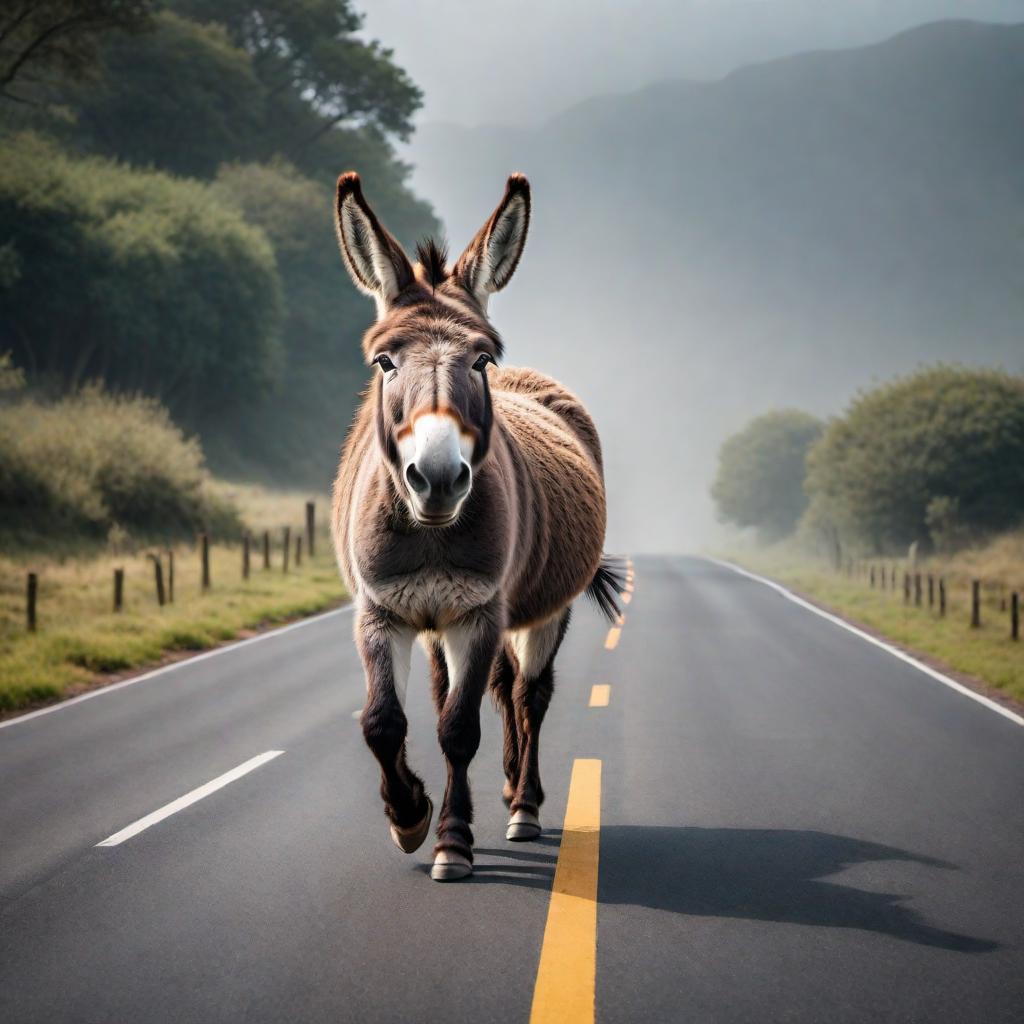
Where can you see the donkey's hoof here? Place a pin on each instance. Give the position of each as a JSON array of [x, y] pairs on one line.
[[450, 866], [522, 827], [410, 839]]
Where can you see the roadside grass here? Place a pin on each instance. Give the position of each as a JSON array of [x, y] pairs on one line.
[[80, 639], [987, 654]]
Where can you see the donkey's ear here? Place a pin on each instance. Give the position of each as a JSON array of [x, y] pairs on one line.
[[492, 257], [374, 258]]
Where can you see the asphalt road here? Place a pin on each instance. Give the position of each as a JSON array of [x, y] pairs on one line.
[[795, 825]]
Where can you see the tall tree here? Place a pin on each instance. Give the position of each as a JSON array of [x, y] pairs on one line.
[[40, 39]]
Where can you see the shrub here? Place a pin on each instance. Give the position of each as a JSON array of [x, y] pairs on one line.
[[141, 279], [943, 433], [95, 463], [760, 480]]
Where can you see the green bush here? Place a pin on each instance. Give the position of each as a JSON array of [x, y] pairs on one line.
[[760, 479], [135, 277], [93, 462], [938, 454]]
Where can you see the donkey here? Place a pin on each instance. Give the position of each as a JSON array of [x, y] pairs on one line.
[[469, 510]]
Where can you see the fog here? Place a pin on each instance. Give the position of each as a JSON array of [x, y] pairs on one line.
[[724, 220]]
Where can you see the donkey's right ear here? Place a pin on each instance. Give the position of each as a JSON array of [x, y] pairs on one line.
[[374, 259]]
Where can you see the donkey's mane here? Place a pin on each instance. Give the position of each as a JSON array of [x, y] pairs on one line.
[[433, 257]]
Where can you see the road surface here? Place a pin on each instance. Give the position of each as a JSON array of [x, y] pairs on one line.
[[794, 825]]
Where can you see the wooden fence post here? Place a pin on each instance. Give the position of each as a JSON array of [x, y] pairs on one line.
[[931, 591], [298, 551], [266, 549], [204, 549], [906, 588], [975, 604], [917, 590], [942, 597], [310, 525], [118, 590], [872, 577], [1014, 616], [245, 555], [31, 594], [170, 576], [286, 548], [158, 575]]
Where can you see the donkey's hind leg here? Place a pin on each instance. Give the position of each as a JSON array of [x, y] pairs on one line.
[[535, 682], [385, 647], [503, 678]]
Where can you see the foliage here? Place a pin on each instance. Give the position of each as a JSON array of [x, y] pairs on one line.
[[140, 279], [39, 37], [942, 433], [11, 377], [309, 48], [92, 461], [761, 472], [182, 97]]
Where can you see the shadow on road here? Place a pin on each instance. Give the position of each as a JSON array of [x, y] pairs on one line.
[[763, 875]]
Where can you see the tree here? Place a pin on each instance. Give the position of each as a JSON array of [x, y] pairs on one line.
[[760, 480], [945, 432], [38, 37], [308, 49]]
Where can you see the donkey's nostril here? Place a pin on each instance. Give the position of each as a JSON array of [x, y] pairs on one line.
[[461, 483], [417, 481]]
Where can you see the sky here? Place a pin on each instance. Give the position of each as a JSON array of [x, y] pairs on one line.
[[489, 61]]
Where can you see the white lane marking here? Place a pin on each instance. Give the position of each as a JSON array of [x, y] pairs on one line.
[[189, 798], [101, 690], [894, 651]]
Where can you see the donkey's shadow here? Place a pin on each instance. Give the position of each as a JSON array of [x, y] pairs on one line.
[[754, 874]]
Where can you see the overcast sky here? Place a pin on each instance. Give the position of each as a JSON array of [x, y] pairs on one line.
[[490, 61]]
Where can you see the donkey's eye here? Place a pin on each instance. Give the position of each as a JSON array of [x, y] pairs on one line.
[[482, 360], [384, 362]]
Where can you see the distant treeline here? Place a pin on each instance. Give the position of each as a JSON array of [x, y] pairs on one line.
[[166, 175], [936, 458]]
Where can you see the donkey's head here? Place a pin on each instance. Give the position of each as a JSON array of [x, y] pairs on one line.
[[432, 343]]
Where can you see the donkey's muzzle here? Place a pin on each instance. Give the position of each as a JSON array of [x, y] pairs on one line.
[[438, 487], [435, 465]]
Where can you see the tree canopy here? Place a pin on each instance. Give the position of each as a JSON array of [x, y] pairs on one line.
[[40, 39], [940, 451], [760, 479]]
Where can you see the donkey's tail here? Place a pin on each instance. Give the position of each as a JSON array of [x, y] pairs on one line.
[[606, 586]]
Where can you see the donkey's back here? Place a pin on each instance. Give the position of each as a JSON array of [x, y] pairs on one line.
[[555, 456]]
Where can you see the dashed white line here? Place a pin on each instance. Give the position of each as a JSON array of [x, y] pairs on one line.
[[189, 798]]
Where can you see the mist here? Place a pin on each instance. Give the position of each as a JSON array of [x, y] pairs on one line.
[[737, 207]]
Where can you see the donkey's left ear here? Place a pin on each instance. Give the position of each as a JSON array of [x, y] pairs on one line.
[[375, 260], [492, 257]]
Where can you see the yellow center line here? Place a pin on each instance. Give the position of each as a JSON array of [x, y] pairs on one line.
[[612, 640], [564, 993], [600, 693]]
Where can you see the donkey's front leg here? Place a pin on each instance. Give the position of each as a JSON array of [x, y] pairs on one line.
[[385, 645], [469, 646]]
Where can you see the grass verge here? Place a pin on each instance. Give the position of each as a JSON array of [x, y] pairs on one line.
[[81, 642], [986, 654]]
